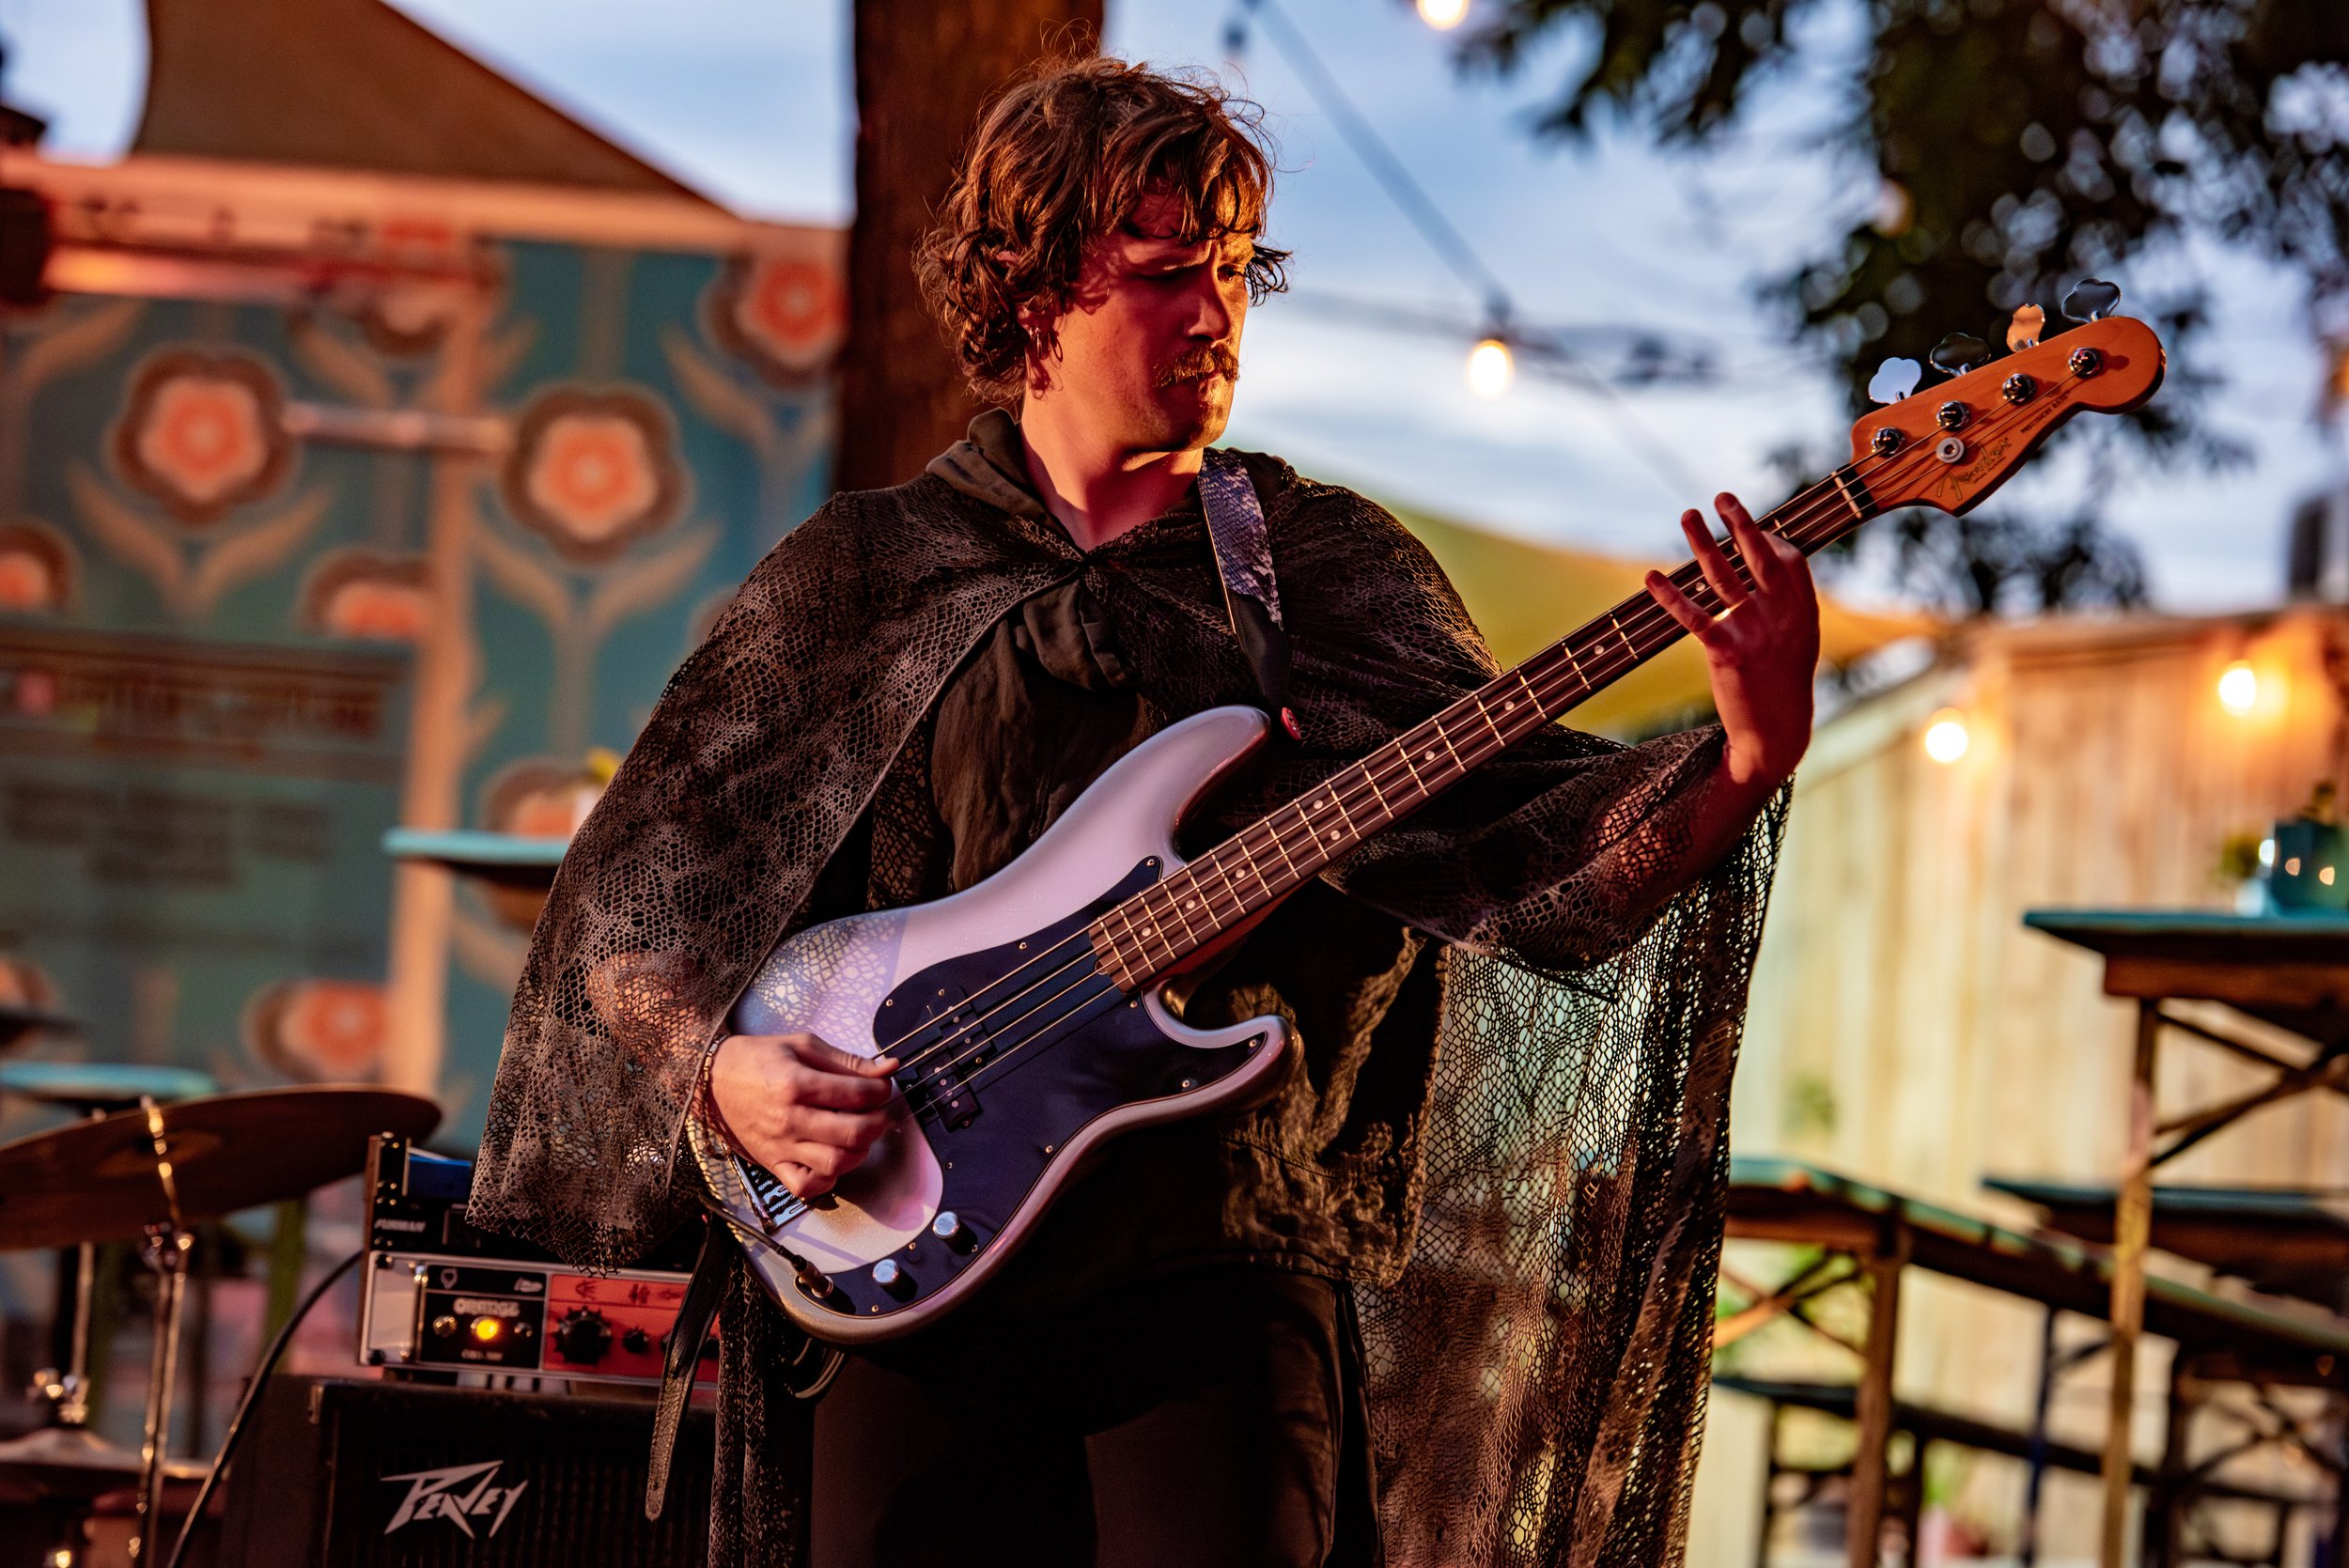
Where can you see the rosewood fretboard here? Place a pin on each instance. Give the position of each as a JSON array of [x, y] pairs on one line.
[[1151, 933]]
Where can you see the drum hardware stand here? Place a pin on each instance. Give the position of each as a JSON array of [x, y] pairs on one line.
[[67, 1392], [165, 1253]]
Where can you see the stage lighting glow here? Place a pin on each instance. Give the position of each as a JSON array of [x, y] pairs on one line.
[[1946, 737], [1490, 368], [2238, 689], [1444, 15]]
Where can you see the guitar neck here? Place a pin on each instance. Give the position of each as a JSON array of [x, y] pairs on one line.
[[1152, 933]]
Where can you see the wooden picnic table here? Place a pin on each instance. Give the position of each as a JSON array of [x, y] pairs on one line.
[[2289, 971], [1884, 1233]]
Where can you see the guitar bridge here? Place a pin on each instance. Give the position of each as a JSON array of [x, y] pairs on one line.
[[776, 1204]]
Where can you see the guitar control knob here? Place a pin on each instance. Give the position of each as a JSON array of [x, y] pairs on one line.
[[891, 1276], [583, 1337], [948, 1227]]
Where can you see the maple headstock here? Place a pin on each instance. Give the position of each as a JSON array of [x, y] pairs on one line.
[[1919, 452]]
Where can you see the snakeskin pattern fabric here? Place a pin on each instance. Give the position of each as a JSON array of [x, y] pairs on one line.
[[1536, 1330]]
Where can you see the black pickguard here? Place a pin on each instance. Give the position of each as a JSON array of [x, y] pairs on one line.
[[1009, 1110]]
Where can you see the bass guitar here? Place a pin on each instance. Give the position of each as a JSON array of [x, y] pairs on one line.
[[1026, 1012]]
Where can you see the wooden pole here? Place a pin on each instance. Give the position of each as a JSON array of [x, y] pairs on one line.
[[2132, 1227], [925, 69], [1865, 1530]]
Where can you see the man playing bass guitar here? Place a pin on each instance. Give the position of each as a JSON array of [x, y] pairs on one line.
[[1445, 1290]]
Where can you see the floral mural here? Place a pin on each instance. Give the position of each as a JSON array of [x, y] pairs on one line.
[[784, 313], [36, 569], [318, 1030], [594, 471], [203, 433], [368, 596]]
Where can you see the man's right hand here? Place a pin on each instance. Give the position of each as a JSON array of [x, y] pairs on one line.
[[807, 1110]]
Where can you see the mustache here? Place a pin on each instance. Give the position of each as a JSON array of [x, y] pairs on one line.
[[1211, 359]]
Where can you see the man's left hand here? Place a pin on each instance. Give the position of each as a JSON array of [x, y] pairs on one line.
[[1761, 651]]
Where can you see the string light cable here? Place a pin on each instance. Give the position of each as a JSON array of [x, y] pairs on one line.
[[1442, 236]]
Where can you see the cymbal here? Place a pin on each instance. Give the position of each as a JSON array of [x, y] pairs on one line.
[[72, 1462], [101, 1085], [96, 1180]]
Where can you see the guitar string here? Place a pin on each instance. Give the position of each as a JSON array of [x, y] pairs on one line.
[[1555, 684], [1806, 514], [1800, 522], [1802, 516], [1788, 530], [1371, 772]]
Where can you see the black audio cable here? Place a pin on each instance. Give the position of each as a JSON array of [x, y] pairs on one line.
[[245, 1406]]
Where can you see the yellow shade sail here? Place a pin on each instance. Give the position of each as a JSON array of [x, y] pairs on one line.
[[1526, 595]]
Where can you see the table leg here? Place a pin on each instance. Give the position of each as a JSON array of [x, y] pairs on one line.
[[1865, 1530], [2035, 1477], [1770, 1491], [2132, 1225]]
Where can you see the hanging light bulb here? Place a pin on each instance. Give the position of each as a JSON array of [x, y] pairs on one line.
[[1946, 737], [1444, 15], [1490, 368], [2239, 689]]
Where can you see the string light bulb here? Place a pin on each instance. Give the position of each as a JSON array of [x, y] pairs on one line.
[[1444, 15], [2239, 688], [1946, 737], [1490, 368]]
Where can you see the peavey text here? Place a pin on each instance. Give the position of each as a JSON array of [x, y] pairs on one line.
[[435, 1494]]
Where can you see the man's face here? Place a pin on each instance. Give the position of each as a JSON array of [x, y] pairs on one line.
[[1149, 346]]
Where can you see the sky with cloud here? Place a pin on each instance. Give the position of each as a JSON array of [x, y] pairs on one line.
[[750, 100]]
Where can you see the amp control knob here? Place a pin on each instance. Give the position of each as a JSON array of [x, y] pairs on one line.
[[583, 1337], [635, 1342]]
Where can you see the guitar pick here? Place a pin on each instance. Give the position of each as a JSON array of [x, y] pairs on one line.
[[1957, 352], [2091, 300], [1894, 379]]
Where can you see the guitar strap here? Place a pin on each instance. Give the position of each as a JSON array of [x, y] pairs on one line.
[[1243, 559], [686, 1336], [1252, 598]]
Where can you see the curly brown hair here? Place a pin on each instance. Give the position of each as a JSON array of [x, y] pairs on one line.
[[1060, 159]]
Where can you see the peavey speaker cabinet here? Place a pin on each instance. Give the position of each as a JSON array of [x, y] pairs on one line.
[[393, 1475]]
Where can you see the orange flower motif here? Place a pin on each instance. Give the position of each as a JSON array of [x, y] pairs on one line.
[[379, 611], [594, 471], [36, 568], [320, 1030], [359, 594], [784, 313], [201, 433]]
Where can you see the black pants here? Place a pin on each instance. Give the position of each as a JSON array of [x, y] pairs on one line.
[[1207, 1418]]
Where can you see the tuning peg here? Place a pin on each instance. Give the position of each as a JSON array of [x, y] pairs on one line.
[[2023, 332], [1894, 379], [2091, 300], [1958, 352]]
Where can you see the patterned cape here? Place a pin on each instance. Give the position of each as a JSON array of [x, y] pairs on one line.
[[1537, 1365]]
